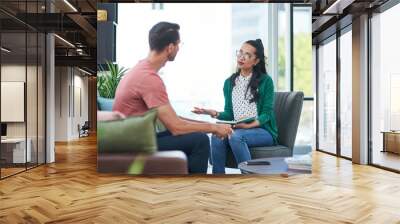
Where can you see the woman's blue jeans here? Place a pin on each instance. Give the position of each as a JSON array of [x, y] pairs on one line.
[[239, 143]]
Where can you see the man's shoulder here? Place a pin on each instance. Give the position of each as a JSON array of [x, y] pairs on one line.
[[143, 74]]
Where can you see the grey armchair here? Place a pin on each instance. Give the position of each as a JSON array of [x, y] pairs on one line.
[[288, 106]]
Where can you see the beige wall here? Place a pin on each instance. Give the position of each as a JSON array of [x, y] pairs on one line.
[[17, 73], [71, 102]]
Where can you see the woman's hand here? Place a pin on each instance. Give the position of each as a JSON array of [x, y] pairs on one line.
[[241, 126], [211, 112], [253, 124]]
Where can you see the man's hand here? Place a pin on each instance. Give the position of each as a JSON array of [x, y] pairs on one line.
[[211, 112], [222, 130], [178, 126]]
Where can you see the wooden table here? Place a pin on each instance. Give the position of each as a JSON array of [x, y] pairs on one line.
[[391, 141], [13, 150]]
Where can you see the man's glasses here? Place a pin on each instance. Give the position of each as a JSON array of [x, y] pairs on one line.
[[246, 56]]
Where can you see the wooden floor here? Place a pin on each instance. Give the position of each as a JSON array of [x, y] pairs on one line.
[[71, 191], [387, 159], [10, 171]]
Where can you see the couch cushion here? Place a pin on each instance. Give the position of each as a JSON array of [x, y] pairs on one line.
[[109, 115], [105, 104], [260, 152], [270, 151], [166, 162], [132, 134]]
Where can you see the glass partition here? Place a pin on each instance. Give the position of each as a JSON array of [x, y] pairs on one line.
[[302, 72], [14, 151], [22, 67], [283, 82], [385, 85], [327, 96], [346, 93]]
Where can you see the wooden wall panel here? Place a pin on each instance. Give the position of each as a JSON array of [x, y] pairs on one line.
[[92, 86]]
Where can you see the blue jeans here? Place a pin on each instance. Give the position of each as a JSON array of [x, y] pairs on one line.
[[239, 143], [196, 146]]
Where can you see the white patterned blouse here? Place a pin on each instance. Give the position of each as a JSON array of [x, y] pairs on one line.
[[240, 103]]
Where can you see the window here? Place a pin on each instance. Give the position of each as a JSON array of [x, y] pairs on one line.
[[346, 93], [302, 72], [283, 83], [385, 83], [22, 72], [302, 50], [327, 96]]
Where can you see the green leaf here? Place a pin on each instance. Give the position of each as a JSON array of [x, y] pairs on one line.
[[108, 79]]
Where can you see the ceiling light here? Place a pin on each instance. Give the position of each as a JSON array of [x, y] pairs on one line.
[[331, 7], [70, 5], [86, 72], [65, 41], [337, 7], [5, 50]]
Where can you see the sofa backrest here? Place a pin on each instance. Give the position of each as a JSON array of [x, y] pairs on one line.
[[109, 115], [288, 106], [104, 104]]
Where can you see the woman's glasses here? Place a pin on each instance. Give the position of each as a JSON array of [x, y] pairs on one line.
[[246, 56]]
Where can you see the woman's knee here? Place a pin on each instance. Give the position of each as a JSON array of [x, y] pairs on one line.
[[237, 136], [215, 141], [218, 146]]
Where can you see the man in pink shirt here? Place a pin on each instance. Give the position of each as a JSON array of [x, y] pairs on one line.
[[142, 89]]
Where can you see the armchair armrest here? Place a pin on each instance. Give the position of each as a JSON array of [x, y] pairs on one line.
[[159, 163]]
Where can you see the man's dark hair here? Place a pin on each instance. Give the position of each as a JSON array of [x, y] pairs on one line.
[[162, 34]]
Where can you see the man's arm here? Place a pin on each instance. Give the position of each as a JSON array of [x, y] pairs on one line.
[[191, 120], [178, 126]]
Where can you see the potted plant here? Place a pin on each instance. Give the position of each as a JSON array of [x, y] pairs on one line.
[[107, 83]]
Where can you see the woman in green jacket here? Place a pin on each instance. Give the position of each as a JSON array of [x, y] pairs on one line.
[[248, 93]]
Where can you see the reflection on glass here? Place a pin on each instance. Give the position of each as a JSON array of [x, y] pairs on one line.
[[283, 48], [302, 72], [305, 133], [23, 86], [302, 50], [385, 84], [14, 151], [346, 94], [327, 97]]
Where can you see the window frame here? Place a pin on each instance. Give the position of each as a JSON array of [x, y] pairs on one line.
[[336, 36], [379, 10]]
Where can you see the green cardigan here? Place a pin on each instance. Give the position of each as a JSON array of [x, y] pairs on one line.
[[265, 105]]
